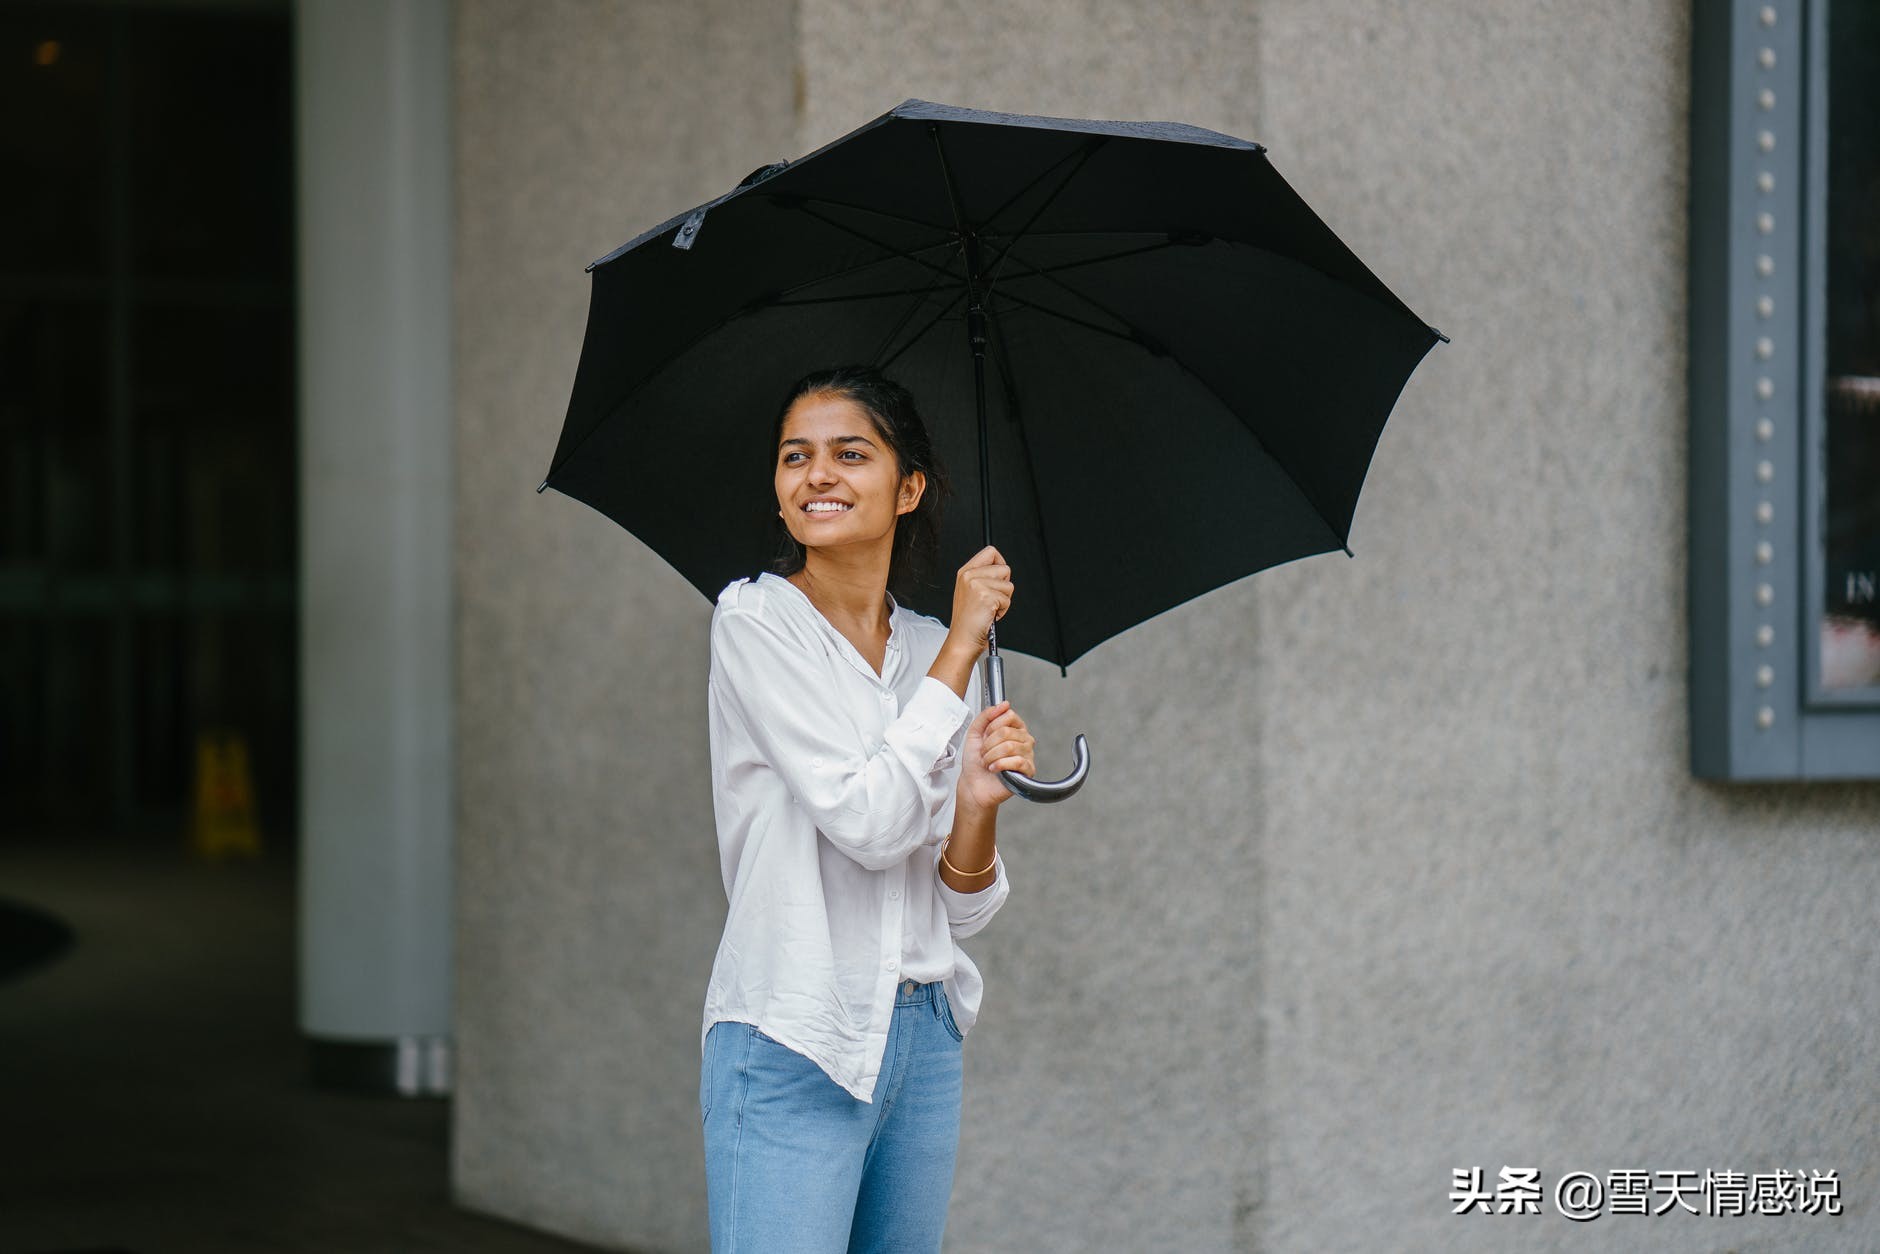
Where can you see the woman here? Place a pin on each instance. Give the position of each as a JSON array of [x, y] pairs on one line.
[[855, 792]]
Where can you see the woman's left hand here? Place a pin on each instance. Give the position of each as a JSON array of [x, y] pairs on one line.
[[997, 740]]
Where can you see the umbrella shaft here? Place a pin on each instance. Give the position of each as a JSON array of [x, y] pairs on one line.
[[976, 336], [976, 332], [978, 318]]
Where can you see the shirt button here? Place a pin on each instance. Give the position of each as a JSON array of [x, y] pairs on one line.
[[815, 761], [888, 964], [894, 894]]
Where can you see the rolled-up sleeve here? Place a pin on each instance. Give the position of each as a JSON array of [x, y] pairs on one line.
[[968, 912], [875, 805]]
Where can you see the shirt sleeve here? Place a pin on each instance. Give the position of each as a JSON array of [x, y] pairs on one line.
[[968, 912], [876, 807], [953, 761]]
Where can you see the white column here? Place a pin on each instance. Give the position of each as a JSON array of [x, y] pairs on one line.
[[376, 475]]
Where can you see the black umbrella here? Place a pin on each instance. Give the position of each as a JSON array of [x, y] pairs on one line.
[[1189, 372]]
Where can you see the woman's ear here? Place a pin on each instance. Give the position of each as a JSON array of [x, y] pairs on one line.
[[912, 486]]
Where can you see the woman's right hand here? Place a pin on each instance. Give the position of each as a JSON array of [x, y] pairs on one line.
[[982, 592]]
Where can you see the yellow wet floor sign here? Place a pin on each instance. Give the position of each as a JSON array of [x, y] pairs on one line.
[[225, 797]]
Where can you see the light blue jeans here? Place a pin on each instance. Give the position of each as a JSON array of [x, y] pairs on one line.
[[795, 1165]]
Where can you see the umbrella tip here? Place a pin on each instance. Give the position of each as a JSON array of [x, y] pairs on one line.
[[1440, 336], [542, 485], [1347, 549]]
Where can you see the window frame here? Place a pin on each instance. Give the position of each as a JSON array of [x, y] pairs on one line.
[[1758, 213]]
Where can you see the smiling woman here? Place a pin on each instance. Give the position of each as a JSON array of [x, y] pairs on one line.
[[855, 788], [871, 430]]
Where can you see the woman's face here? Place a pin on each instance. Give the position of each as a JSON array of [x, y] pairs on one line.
[[829, 452]]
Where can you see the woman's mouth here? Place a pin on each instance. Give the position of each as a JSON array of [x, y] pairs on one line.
[[826, 509]]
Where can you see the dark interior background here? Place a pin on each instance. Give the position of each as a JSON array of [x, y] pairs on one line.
[[148, 541]]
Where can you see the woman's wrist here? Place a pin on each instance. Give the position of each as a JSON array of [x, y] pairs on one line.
[[972, 878], [975, 873], [953, 666], [973, 819], [971, 850]]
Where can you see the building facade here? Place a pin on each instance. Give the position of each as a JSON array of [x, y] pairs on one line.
[[1389, 868]]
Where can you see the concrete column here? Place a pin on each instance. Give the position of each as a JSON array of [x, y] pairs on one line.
[[374, 194]]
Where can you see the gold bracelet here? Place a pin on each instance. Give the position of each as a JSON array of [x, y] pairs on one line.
[[968, 874]]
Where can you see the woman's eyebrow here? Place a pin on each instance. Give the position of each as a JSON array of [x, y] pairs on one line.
[[834, 439]]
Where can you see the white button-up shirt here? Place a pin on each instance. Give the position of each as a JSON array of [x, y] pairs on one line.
[[833, 788]]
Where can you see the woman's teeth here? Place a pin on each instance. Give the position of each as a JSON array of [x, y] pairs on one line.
[[817, 507]]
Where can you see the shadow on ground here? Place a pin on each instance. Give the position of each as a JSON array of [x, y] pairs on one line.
[[153, 1077]]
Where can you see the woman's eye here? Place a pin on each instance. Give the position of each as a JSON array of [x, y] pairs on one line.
[[789, 458]]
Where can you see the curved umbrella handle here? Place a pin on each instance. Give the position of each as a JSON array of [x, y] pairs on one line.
[[1024, 785]]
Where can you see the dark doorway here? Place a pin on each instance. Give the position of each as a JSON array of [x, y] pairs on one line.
[[148, 512]]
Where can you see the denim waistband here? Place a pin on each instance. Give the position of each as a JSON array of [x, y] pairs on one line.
[[914, 993]]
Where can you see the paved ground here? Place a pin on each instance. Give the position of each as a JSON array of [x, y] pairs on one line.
[[152, 1090]]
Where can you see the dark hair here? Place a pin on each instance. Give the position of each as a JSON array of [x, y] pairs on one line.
[[897, 420]]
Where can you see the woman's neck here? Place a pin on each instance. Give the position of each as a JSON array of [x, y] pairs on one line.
[[848, 594]]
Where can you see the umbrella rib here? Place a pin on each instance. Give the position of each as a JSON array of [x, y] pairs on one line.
[[1393, 304], [998, 263], [1040, 177], [869, 239], [1086, 298], [1143, 342], [1080, 234], [777, 297], [1091, 261], [915, 338], [831, 300], [797, 200], [1129, 336], [913, 306], [1031, 472]]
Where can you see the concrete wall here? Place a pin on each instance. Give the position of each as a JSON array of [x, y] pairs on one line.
[[1503, 926], [1387, 866], [587, 884]]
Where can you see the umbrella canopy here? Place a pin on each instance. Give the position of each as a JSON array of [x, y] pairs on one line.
[[1187, 371]]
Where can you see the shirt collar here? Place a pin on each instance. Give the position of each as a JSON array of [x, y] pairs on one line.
[[894, 627]]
